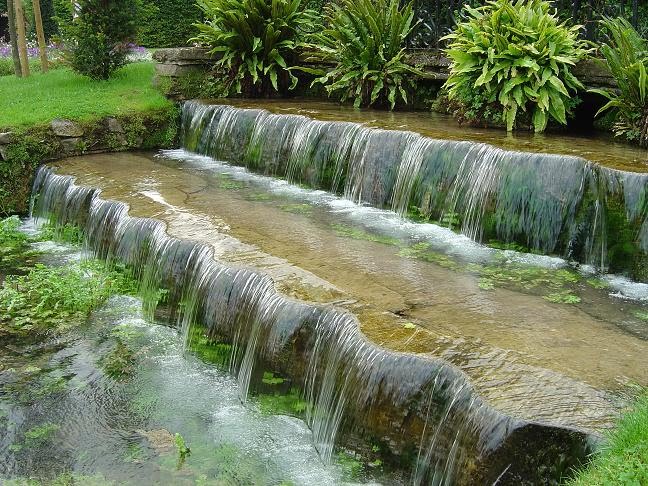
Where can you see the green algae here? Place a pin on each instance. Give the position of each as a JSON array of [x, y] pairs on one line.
[[305, 209], [358, 234], [290, 403]]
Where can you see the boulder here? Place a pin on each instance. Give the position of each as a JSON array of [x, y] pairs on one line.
[[66, 128], [6, 137]]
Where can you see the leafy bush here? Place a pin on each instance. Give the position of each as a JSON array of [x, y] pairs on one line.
[[257, 41], [626, 54], [168, 23], [96, 41], [517, 56], [365, 39]]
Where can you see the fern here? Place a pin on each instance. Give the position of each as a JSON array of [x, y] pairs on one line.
[[517, 55], [626, 53], [365, 41], [257, 41]]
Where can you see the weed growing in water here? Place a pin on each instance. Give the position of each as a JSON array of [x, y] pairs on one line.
[[119, 362], [55, 299], [305, 209], [357, 234]]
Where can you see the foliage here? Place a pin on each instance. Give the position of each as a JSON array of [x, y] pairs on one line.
[[365, 40], [168, 23], [57, 298], [63, 94], [13, 242], [518, 56], [181, 446], [257, 41], [624, 459], [626, 54], [119, 361], [96, 41]]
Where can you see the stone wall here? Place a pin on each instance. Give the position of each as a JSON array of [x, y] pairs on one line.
[[22, 150], [177, 62]]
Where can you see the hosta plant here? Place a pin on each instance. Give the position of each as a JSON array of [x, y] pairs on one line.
[[519, 57], [365, 41], [257, 41], [626, 53]]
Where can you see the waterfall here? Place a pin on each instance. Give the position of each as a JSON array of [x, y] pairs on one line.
[[554, 204], [423, 408]]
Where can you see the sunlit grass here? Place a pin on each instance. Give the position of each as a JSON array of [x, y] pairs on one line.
[[624, 459], [64, 94]]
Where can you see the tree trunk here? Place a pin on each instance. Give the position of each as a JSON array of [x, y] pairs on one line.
[[13, 37], [42, 47], [22, 40], [635, 14]]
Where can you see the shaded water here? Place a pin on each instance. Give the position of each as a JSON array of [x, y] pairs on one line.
[[526, 356], [554, 204]]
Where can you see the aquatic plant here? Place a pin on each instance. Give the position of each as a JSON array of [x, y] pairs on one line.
[[256, 40], [181, 446], [118, 362], [518, 57], [14, 244], [41, 434], [290, 403], [58, 298], [365, 39], [626, 53]]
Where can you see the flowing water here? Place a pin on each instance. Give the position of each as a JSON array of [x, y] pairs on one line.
[[95, 429], [514, 363], [587, 204], [329, 297]]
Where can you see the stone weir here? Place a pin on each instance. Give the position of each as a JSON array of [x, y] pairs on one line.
[[552, 204], [424, 410]]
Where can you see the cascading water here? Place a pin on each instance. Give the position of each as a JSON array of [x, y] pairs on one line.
[[552, 204], [423, 409]]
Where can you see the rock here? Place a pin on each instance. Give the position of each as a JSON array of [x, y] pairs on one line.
[[3, 153], [66, 128], [114, 125], [6, 137], [71, 145], [160, 439], [176, 70], [180, 55]]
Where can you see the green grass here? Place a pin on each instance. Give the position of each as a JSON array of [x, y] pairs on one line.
[[64, 94], [624, 460]]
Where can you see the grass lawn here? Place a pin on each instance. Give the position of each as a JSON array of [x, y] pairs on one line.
[[624, 460], [64, 94]]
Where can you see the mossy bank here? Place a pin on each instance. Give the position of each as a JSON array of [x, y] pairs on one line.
[[42, 121]]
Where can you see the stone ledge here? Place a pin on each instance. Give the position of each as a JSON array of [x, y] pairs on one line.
[[176, 62]]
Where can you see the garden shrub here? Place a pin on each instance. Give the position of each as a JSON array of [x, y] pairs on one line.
[[96, 42], [626, 53], [365, 39], [515, 57], [257, 41], [168, 23]]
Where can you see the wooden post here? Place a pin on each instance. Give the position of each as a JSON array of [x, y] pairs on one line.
[[13, 37], [22, 40], [42, 47]]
